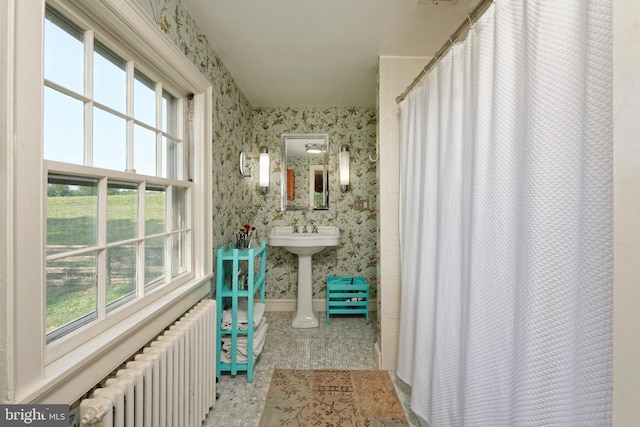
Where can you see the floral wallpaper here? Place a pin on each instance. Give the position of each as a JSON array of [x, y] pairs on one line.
[[356, 255]]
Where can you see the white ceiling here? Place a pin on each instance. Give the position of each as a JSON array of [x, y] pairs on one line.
[[306, 53]]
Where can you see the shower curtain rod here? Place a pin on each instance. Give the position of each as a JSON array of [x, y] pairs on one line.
[[471, 18]]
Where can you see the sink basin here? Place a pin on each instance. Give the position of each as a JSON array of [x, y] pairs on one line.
[[304, 245]]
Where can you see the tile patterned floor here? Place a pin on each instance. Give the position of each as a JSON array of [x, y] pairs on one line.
[[348, 343]]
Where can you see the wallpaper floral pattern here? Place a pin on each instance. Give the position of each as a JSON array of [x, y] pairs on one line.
[[356, 255], [238, 127]]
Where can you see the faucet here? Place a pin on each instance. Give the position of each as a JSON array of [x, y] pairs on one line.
[[295, 229], [304, 228], [314, 227]]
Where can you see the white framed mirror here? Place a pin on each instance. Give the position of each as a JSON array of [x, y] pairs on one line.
[[305, 172]]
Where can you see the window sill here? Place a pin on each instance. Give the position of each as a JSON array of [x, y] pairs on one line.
[[68, 378]]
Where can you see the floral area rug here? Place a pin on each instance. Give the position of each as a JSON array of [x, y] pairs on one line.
[[332, 398]]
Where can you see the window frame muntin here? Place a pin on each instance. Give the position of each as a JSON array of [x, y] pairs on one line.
[[132, 64], [96, 42], [55, 348], [204, 106]]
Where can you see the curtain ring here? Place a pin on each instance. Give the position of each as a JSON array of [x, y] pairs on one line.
[[469, 18]]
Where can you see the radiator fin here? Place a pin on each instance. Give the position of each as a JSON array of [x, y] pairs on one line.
[[171, 383]]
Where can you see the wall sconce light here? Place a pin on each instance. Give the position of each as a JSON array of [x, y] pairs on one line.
[[264, 169], [344, 168]]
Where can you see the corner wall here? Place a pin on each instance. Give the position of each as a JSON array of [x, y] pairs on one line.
[[394, 75]]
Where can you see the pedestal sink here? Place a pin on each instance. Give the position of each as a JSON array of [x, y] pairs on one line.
[[305, 245]]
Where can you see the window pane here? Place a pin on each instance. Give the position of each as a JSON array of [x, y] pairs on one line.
[[121, 274], [109, 141], [63, 52], [172, 155], [179, 252], [144, 99], [170, 112], [179, 207], [144, 151], [101, 111], [72, 213], [63, 127], [155, 210], [122, 211], [71, 291], [109, 78], [154, 261]]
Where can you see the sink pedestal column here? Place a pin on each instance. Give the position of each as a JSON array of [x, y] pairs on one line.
[[304, 317], [305, 245]]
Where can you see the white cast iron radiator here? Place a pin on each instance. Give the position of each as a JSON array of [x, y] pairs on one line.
[[171, 383]]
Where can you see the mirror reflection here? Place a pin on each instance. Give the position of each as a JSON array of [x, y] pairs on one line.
[[305, 172]]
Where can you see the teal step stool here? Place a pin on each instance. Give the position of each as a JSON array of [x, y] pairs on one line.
[[347, 295]]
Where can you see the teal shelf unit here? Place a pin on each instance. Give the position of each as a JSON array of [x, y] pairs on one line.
[[230, 289], [347, 295]]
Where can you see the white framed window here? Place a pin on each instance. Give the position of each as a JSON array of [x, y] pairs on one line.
[[103, 115], [109, 184]]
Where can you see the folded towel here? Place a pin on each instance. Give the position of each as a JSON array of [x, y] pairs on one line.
[[243, 323], [226, 356], [241, 344], [241, 350]]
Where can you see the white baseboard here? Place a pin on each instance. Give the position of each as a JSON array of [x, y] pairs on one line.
[[318, 305], [378, 354], [282, 305]]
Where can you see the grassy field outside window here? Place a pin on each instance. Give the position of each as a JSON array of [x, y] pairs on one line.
[[72, 280]]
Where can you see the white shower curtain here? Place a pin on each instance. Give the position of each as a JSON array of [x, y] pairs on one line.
[[506, 222]]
